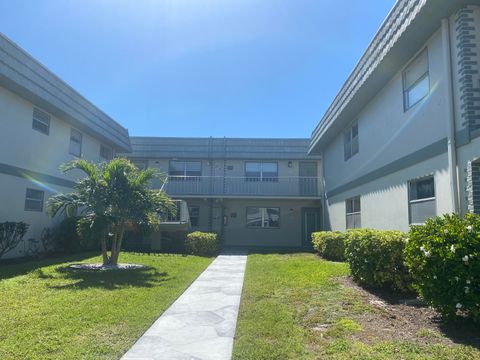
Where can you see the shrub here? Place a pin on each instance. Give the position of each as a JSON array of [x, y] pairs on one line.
[[65, 236], [444, 259], [376, 258], [202, 244], [48, 240], [330, 244], [11, 233], [73, 235]]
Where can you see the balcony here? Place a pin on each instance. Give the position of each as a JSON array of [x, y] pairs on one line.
[[241, 186]]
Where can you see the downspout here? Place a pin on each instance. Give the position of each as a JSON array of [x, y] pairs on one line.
[[324, 194], [452, 147]]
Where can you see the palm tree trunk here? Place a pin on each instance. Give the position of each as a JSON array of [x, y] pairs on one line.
[[118, 244], [106, 259]]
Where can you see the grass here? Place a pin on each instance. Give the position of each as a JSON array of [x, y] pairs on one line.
[[48, 312], [294, 307]]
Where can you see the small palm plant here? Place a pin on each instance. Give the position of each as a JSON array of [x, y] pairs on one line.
[[112, 198]]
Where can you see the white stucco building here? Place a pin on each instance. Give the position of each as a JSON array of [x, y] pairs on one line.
[[44, 123], [400, 142]]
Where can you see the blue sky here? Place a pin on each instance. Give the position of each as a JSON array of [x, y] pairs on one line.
[[235, 68]]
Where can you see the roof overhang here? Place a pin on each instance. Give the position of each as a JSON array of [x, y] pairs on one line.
[[23, 75], [407, 27]]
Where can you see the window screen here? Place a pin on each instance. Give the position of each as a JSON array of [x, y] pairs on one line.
[[34, 200], [41, 121], [263, 217], [261, 171], [422, 202], [75, 143], [353, 213], [416, 81]]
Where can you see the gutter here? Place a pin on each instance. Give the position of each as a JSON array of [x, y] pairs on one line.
[[452, 147]]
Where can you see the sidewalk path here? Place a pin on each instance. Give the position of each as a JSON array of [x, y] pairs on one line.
[[200, 324]]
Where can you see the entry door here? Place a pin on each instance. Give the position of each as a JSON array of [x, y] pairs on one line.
[[310, 224], [308, 178]]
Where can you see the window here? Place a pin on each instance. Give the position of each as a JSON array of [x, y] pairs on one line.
[[260, 217], [194, 212], [416, 81], [184, 169], [106, 153], [75, 143], [261, 171], [140, 164], [41, 121], [34, 200], [350, 141], [353, 213], [422, 204]]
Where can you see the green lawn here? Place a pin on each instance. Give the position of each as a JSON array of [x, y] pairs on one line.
[[47, 312], [294, 307]]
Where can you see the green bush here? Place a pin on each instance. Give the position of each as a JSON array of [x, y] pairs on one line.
[[330, 244], [65, 236], [444, 259], [376, 258], [202, 244], [11, 234], [72, 235]]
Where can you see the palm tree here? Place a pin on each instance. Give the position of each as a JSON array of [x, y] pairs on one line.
[[112, 198]]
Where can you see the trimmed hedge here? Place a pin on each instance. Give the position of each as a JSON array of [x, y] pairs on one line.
[[202, 244], [444, 259], [376, 258], [330, 244]]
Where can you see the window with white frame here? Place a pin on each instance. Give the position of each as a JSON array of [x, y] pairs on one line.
[[265, 171], [106, 153], [41, 121], [194, 213], [350, 141], [353, 213], [263, 217], [184, 170], [416, 80], [140, 164], [421, 199], [34, 200], [75, 143]]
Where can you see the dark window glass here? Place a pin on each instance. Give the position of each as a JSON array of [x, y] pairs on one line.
[[34, 200], [194, 212], [41, 121], [353, 212], [75, 143], [350, 141], [184, 169], [259, 217], [261, 171], [106, 153]]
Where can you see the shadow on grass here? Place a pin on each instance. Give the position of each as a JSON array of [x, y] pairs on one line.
[[460, 331], [24, 266], [109, 280], [464, 332]]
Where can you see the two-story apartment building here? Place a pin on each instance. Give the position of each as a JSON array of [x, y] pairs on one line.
[[44, 123], [401, 140], [254, 192]]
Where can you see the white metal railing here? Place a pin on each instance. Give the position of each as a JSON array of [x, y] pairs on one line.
[[294, 186]]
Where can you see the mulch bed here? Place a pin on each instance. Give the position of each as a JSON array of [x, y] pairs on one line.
[[101, 267], [404, 318]]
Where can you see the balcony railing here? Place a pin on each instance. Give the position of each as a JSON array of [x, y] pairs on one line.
[[289, 186]]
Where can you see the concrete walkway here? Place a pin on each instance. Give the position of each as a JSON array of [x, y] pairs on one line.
[[201, 323]]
